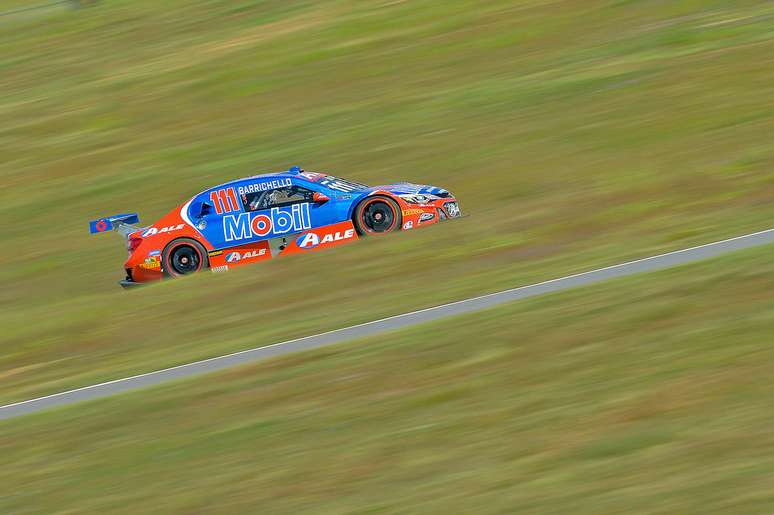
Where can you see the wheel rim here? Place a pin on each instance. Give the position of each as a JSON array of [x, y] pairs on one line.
[[378, 217], [185, 260]]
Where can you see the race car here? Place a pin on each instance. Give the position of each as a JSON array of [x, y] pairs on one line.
[[264, 216]]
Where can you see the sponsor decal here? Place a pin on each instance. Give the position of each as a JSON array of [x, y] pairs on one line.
[[152, 231], [216, 269], [408, 225], [245, 226], [235, 257], [264, 186], [311, 240], [413, 211], [426, 217], [101, 226], [248, 253], [152, 263], [154, 253], [215, 253]]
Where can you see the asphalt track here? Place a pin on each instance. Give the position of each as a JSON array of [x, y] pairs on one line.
[[650, 264]]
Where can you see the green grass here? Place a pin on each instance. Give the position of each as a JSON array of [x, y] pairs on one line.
[[576, 134], [650, 394]]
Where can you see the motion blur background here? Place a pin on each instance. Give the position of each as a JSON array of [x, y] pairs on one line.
[[575, 134]]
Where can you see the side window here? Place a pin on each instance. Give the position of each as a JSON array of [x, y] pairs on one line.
[[279, 197]]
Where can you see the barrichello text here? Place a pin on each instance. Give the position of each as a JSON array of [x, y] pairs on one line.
[[264, 186]]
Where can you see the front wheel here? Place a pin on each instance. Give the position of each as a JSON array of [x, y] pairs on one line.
[[377, 215], [184, 256]]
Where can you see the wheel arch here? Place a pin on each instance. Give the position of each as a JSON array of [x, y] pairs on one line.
[[377, 196], [180, 242]]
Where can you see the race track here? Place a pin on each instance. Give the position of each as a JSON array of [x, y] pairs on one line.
[[396, 322]]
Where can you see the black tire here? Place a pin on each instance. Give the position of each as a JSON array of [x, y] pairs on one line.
[[377, 215], [184, 256]]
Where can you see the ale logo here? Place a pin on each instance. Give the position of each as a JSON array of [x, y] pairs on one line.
[[152, 231], [311, 240], [236, 256]]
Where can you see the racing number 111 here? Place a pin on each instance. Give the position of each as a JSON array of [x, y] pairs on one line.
[[224, 200]]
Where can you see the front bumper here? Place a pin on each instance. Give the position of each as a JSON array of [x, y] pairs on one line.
[[452, 209]]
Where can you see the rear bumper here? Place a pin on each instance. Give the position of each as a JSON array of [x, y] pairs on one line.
[[129, 281]]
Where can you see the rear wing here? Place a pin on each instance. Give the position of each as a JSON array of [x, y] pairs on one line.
[[122, 223]]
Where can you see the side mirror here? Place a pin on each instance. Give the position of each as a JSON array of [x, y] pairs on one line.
[[320, 198]]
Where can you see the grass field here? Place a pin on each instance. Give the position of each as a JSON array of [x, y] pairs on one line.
[[552, 405], [576, 134]]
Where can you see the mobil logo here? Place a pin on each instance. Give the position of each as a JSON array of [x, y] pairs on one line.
[[239, 256], [280, 220], [311, 240]]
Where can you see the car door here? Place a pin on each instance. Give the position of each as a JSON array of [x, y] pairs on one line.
[[256, 210]]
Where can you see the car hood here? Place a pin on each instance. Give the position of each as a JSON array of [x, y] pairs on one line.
[[407, 188]]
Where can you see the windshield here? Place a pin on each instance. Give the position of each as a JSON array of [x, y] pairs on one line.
[[332, 182]]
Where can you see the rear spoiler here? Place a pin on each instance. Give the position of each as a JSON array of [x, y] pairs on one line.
[[122, 223]]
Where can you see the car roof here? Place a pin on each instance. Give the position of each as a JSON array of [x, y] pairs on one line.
[[292, 172]]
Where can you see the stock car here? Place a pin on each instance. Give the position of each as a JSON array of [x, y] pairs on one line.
[[264, 216]]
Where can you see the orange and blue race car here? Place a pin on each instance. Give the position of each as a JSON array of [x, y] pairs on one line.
[[264, 216]]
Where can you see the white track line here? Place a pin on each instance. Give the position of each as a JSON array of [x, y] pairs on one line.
[[394, 317]]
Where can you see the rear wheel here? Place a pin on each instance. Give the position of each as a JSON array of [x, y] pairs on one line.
[[183, 257], [377, 215]]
